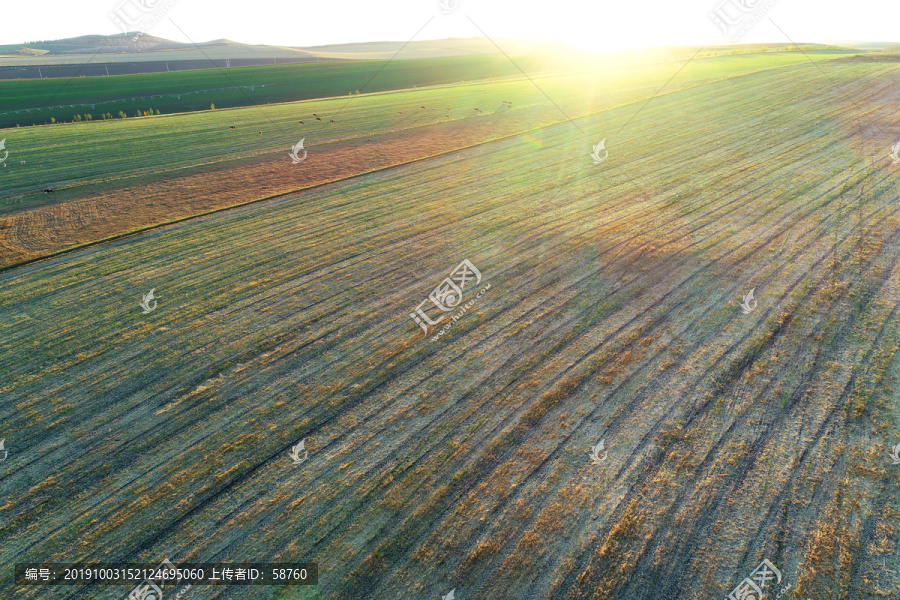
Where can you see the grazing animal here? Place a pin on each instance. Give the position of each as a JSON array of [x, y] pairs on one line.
[[423, 107], [260, 133], [232, 127], [399, 113], [318, 118], [314, 114], [48, 191], [301, 122], [332, 120]]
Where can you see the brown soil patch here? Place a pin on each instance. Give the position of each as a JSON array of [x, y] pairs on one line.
[[136, 204]]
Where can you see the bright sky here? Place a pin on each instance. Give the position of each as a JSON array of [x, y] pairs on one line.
[[591, 24]]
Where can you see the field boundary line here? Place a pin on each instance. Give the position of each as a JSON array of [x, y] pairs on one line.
[[265, 198]]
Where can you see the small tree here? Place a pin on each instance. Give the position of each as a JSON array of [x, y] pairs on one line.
[[52, 120], [157, 111], [122, 115], [212, 107], [88, 117]]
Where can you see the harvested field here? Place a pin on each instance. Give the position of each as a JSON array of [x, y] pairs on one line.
[[613, 314]]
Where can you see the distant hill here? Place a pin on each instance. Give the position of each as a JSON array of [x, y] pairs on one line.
[[875, 46], [436, 48], [135, 47], [132, 47], [92, 44], [140, 53]]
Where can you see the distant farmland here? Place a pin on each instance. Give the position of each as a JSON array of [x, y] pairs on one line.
[[463, 464], [196, 90], [146, 66], [146, 171]]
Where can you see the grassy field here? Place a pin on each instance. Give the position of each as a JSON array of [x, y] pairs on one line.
[[184, 91], [125, 181], [463, 463], [196, 90]]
